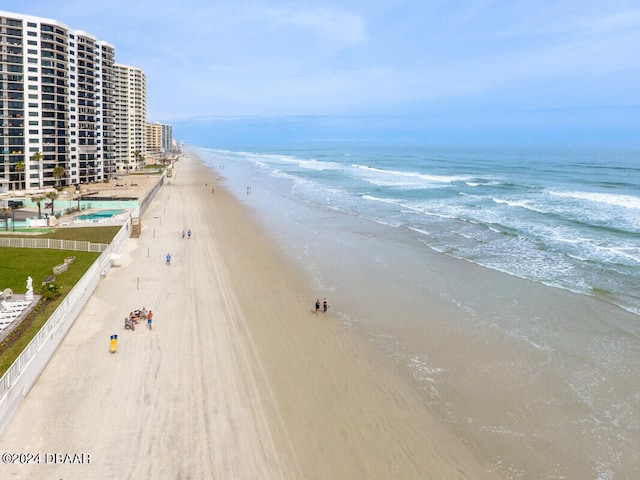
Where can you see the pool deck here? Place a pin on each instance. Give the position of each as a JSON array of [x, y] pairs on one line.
[[129, 186], [81, 218]]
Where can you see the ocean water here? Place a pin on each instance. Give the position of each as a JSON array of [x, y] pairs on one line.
[[506, 280]]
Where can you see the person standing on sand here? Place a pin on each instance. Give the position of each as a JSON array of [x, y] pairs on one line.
[[317, 306], [325, 305], [189, 233], [168, 259], [149, 319]]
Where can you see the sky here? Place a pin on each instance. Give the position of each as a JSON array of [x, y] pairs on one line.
[[440, 71]]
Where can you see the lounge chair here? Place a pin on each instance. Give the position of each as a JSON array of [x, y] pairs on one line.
[[18, 305], [8, 293], [5, 322], [21, 303], [8, 317]]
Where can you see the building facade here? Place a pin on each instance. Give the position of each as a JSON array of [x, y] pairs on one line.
[[69, 114], [130, 117], [159, 140], [89, 160]]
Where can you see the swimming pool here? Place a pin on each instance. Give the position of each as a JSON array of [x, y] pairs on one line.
[[98, 215]]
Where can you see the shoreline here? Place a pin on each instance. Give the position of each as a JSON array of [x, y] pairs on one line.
[[516, 368], [323, 374], [238, 379]]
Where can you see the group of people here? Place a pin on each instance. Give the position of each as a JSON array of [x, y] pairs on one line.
[[325, 305], [137, 316], [188, 235]]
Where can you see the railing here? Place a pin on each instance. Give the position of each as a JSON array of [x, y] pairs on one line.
[[53, 243], [25, 370], [146, 201], [27, 367]]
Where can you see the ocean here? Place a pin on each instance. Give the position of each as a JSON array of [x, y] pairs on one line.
[[505, 280]]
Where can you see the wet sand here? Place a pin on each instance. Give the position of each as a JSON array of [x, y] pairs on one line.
[[239, 378], [527, 373]]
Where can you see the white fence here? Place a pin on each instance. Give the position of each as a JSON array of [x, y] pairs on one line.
[[23, 373], [52, 243]]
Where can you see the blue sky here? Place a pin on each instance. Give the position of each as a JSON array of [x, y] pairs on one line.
[[519, 71]]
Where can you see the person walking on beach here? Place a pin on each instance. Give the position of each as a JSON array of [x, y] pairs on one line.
[[149, 319], [183, 234], [168, 258], [317, 306], [325, 305], [189, 234]]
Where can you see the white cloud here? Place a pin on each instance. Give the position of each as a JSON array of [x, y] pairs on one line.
[[338, 26], [268, 57], [612, 23]]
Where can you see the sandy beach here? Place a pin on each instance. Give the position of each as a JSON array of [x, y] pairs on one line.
[[239, 378]]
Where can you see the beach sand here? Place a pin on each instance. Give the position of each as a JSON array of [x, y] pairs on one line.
[[239, 378]]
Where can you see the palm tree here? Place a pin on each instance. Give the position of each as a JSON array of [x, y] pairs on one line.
[[136, 155], [20, 169], [52, 196], [58, 173], [5, 213], [37, 157], [38, 199]]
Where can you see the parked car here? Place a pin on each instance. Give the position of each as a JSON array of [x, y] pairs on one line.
[[16, 203]]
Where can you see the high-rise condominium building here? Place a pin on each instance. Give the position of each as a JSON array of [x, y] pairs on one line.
[[130, 117], [159, 139], [60, 105]]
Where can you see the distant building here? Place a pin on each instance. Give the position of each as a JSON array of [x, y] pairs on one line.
[[159, 140], [130, 117], [68, 113]]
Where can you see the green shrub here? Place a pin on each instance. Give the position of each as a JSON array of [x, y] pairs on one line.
[[51, 291]]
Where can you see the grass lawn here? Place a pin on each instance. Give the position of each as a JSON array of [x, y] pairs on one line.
[[32, 230], [85, 234], [16, 264]]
